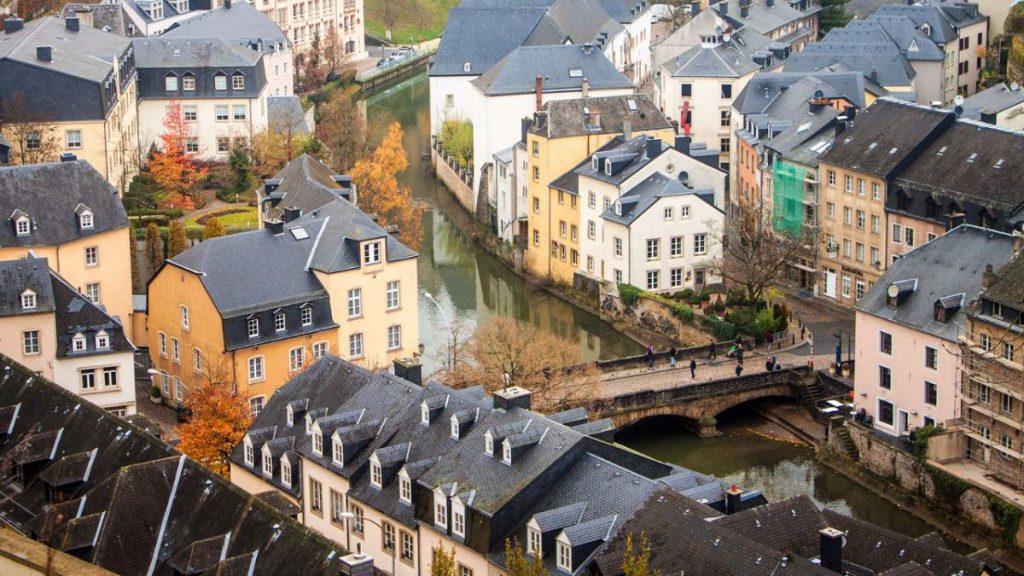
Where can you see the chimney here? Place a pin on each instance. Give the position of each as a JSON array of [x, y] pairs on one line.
[[270, 185], [356, 564], [12, 25], [874, 75], [831, 555], [840, 125], [653, 147], [723, 8], [770, 3], [409, 369], [291, 213], [68, 157], [539, 92], [44, 53], [227, 4], [989, 275], [72, 23], [512, 397], [585, 87], [683, 144], [627, 129], [744, 8], [275, 226], [732, 499]]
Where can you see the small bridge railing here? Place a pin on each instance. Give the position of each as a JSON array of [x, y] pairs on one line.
[[652, 398]]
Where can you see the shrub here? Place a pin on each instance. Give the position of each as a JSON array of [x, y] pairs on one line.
[[722, 330], [1006, 516], [685, 294], [629, 294], [921, 436], [457, 140], [684, 313]]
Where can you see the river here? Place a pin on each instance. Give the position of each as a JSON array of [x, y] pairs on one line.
[[470, 286]]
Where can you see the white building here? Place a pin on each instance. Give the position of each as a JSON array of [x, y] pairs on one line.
[[221, 86]]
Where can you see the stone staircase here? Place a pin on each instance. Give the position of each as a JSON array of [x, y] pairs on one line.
[[812, 395], [837, 427]]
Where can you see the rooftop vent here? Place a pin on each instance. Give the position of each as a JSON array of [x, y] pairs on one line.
[[68, 157], [512, 397], [72, 23], [44, 53], [12, 25]]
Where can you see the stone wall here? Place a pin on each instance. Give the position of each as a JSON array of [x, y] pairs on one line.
[[455, 181]]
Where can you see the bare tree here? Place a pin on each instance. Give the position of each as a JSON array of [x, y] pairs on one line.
[[395, 11], [754, 256], [31, 132], [342, 129]]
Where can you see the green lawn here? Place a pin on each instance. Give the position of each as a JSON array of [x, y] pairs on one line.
[[233, 218], [425, 22]]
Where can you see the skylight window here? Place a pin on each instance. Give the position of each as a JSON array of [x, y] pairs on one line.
[[972, 157], [942, 151], [631, 104], [575, 73], [893, 151], [299, 233], [803, 127], [873, 145], [998, 164]]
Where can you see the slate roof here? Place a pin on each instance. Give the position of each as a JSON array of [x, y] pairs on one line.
[[75, 314], [638, 199], [17, 276], [943, 26], [482, 36], [896, 130], [762, 18], [304, 183], [1008, 286], [107, 17], [87, 54], [951, 264], [566, 118], [733, 59], [285, 114], [903, 31], [242, 23], [582, 21], [883, 63], [765, 87], [50, 194], [517, 72], [192, 52], [630, 156], [992, 101]]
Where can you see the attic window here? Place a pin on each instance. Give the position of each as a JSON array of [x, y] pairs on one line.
[[534, 544], [892, 151], [286, 472], [22, 226], [631, 104], [998, 164], [466, 67], [455, 428], [441, 511], [564, 557], [249, 454], [575, 73], [506, 452], [28, 300], [85, 220], [375, 475], [78, 343], [618, 208], [102, 340], [942, 151], [871, 146], [268, 463], [489, 444], [425, 414], [318, 443], [338, 452], [595, 163], [290, 416], [299, 233], [405, 489], [608, 167]]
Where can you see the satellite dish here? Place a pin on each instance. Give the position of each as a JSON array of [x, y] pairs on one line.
[[959, 100], [893, 291], [726, 37]]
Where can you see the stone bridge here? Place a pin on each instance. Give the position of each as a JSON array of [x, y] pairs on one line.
[[700, 404]]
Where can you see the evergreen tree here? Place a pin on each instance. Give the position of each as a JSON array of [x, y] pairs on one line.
[[833, 15], [154, 248], [133, 255], [177, 241], [213, 228]]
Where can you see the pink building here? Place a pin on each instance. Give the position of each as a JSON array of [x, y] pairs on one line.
[[908, 326]]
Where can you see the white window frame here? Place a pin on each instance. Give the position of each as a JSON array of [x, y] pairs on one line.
[[23, 226], [238, 82], [253, 327], [250, 453], [393, 295], [376, 476], [102, 340], [296, 358], [394, 337], [306, 316], [534, 542], [185, 320], [700, 244], [320, 349], [28, 300], [78, 343], [564, 559], [356, 345], [280, 322], [404, 489], [458, 519], [371, 253], [440, 511], [318, 442], [337, 452], [286, 472], [355, 302], [92, 256], [256, 372]]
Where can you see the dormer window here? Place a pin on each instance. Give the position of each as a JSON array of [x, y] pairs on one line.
[[375, 475], [458, 518], [489, 443], [564, 557], [253, 327], [338, 452], [290, 416], [171, 83], [534, 545], [23, 226], [85, 220], [371, 253], [607, 167], [506, 452], [618, 208], [467, 67], [279, 322], [307, 316], [286, 472], [404, 489], [250, 456], [188, 82], [268, 463], [220, 81], [424, 414], [78, 342], [28, 300], [102, 340], [185, 322], [318, 443], [455, 428], [238, 82], [440, 510], [595, 163], [309, 423]]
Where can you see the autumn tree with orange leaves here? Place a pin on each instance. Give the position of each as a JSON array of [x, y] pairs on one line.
[[173, 170], [381, 194], [220, 418]]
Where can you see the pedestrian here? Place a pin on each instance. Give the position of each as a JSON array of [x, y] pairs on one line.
[[650, 357], [768, 365], [672, 357], [769, 337], [739, 369], [711, 350], [739, 355], [775, 363], [693, 367]]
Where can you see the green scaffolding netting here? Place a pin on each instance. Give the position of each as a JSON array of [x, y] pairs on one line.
[[788, 199]]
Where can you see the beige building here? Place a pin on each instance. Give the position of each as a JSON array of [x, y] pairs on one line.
[[45, 61], [67, 213]]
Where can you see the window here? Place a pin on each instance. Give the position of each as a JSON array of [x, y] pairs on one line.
[[316, 495], [171, 83], [28, 300], [860, 252], [355, 302], [22, 227], [860, 288], [536, 238], [687, 90], [280, 322], [175, 351], [564, 557], [876, 191], [726, 90], [85, 220], [92, 256], [190, 112], [897, 234], [1006, 404], [986, 342], [830, 210], [238, 112], [320, 350], [238, 82], [848, 216], [371, 253], [296, 358], [184, 317], [931, 394], [256, 405], [876, 224], [197, 361], [221, 113], [358, 526], [684, 211], [884, 377], [675, 277], [405, 490], [931, 358], [860, 219], [458, 521], [1005, 441], [286, 467], [391, 295], [73, 139], [87, 379], [188, 82], [355, 345], [536, 178], [700, 244], [984, 394], [388, 536], [885, 412], [653, 276], [832, 178], [534, 544], [653, 248], [1008, 351], [394, 337], [34, 140], [250, 457], [909, 236], [675, 246], [668, 213], [253, 326], [885, 342], [860, 186], [407, 547], [223, 144], [849, 184], [465, 570], [161, 339], [574, 232], [110, 377], [102, 340], [618, 247], [724, 145], [875, 259], [725, 116], [78, 343], [561, 228], [92, 292], [255, 369], [441, 512]]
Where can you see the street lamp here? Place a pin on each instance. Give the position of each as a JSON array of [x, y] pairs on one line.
[[444, 317], [346, 516]]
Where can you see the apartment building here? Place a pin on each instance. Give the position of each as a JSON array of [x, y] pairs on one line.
[[307, 21], [221, 88], [54, 330], [1000, 105], [794, 23], [327, 281], [909, 326], [395, 470], [67, 213], [563, 134], [45, 60], [154, 17]]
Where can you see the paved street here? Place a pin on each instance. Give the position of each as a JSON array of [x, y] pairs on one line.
[[824, 319]]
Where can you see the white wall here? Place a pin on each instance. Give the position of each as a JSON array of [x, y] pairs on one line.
[[632, 44], [66, 374], [207, 129], [280, 74], [461, 91], [504, 196]]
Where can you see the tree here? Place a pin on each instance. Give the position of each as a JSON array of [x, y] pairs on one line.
[[680, 13], [637, 560], [171, 166], [444, 562], [506, 352], [754, 257], [833, 15], [31, 132], [154, 248], [133, 255], [395, 11], [331, 53], [313, 67], [457, 139], [286, 138], [380, 192], [213, 229], [343, 131], [220, 418], [517, 564], [177, 240]]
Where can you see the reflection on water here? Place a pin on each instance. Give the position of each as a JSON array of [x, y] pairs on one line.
[[468, 283], [779, 469]]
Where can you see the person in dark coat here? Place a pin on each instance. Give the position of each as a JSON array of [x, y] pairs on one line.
[[650, 357], [693, 368], [739, 369], [712, 351], [672, 357]]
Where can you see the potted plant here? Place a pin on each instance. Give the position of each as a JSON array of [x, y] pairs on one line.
[[155, 394], [832, 369]]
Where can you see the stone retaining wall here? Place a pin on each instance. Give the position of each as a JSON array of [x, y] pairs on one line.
[[455, 181]]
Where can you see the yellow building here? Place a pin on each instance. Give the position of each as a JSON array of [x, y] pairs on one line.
[[68, 89], [256, 308], [66, 212], [563, 134]]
